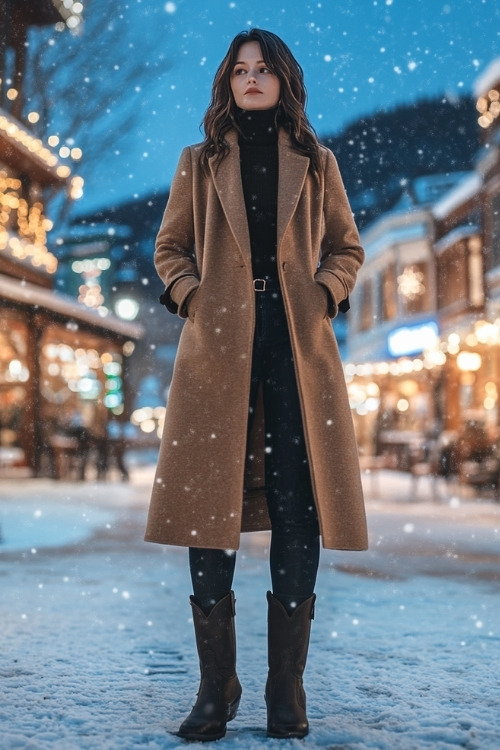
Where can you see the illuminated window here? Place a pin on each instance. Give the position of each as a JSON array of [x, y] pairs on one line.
[[413, 288], [389, 296]]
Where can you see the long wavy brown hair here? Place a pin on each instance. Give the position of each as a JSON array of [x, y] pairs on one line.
[[290, 114]]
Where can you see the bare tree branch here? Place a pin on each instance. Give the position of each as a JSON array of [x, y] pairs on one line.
[[83, 84]]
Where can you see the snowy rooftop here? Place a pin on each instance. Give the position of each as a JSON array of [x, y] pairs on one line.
[[467, 188], [408, 218], [488, 78]]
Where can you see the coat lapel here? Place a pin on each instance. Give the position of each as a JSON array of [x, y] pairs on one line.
[[227, 179], [292, 174]]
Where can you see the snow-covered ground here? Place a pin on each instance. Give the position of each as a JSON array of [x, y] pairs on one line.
[[97, 650]]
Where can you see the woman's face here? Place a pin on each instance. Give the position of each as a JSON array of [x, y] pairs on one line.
[[252, 83]]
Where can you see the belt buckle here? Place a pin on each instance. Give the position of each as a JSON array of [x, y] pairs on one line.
[[259, 285]]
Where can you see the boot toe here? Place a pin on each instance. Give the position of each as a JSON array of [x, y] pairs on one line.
[[284, 723], [284, 732], [202, 732], [207, 721]]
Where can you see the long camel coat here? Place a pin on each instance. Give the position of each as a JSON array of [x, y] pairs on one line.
[[209, 483]]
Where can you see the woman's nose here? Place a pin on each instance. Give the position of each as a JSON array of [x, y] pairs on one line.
[[251, 77]]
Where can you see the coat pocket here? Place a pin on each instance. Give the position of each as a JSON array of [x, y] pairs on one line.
[[322, 295], [191, 304]]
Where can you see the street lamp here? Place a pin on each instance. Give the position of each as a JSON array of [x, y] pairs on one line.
[[469, 361], [126, 308]]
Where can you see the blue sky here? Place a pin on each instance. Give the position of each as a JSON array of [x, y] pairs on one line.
[[358, 56]]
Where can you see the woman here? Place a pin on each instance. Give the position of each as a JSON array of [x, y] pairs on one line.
[[258, 250]]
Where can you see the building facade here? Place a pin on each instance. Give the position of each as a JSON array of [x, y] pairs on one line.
[[424, 338], [63, 367]]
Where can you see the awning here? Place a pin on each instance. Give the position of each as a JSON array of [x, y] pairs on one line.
[[27, 294]]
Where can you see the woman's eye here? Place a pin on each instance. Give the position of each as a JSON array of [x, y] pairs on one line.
[[239, 71]]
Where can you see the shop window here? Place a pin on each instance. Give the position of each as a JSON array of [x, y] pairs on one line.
[[452, 276], [79, 380], [14, 376], [413, 288], [389, 295]]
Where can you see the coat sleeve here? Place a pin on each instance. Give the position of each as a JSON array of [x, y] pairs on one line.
[[341, 252], [174, 256]]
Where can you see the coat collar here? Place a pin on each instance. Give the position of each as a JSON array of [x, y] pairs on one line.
[[292, 172]]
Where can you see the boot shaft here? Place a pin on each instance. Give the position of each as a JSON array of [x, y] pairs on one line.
[[288, 635], [219, 692], [215, 635], [288, 644]]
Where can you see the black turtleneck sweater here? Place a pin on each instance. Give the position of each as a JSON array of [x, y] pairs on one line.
[[259, 175]]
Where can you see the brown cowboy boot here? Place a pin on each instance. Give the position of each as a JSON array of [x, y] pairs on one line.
[[220, 690], [288, 643]]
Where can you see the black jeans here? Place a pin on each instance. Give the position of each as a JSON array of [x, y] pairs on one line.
[[294, 553]]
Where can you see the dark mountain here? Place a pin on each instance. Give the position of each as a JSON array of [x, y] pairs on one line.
[[380, 154]]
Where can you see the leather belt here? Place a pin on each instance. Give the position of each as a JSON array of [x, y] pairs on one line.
[[266, 285]]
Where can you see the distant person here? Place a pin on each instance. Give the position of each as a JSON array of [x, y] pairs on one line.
[[78, 429], [258, 250], [116, 436]]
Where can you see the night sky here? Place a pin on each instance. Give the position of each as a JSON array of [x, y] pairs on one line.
[[358, 56]]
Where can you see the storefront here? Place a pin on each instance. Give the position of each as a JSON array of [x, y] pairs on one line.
[[62, 370], [440, 406], [396, 399], [63, 366]]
